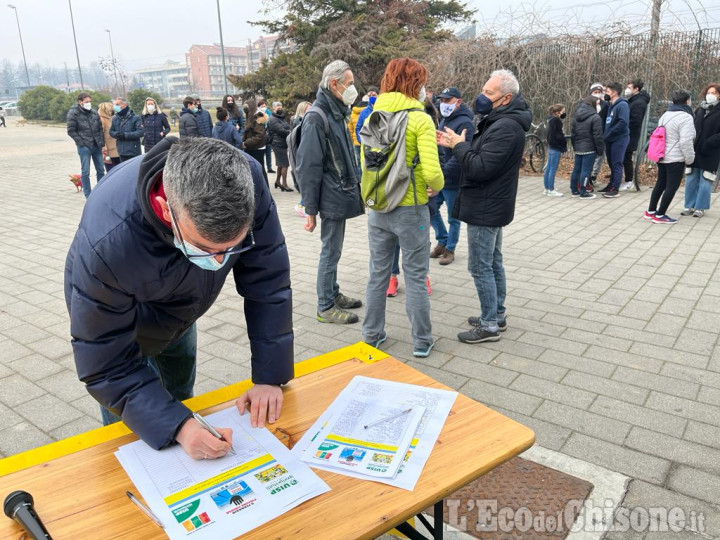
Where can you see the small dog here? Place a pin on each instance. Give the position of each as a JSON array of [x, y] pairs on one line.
[[76, 179], [20, 122]]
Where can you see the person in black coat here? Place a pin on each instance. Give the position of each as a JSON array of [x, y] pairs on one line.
[[85, 128], [255, 135], [188, 119], [698, 183], [204, 121], [155, 124], [235, 115], [638, 100], [587, 141], [147, 261], [490, 166], [278, 130], [127, 128], [224, 130], [597, 90], [557, 145]]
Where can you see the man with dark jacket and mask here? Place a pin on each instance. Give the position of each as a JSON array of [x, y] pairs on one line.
[[616, 136], [151, 255], [85, 128], [326, 170], [490, 168], [638, 100], [456, 116]]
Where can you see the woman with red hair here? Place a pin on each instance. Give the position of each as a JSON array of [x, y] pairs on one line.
[[403, 89]]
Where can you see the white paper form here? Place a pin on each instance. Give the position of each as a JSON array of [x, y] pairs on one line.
[[226, 497], [437, 405], [365, 435]]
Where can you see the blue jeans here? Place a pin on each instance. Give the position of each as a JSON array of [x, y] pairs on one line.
[[407, 226], [448, 238], [357, 157], [697, 190], [485, 264], [581, 171], [86, 154], [176, 368], [332, 235], [268, 156], [551, 168], [615, 157]]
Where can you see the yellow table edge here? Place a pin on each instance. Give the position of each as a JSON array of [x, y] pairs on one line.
[[362, 351]]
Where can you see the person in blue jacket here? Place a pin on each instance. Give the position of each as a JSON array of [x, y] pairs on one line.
[[204, 121], [225, 130], [127, 128], [456, 116], [616, 137], [367, 111], [155, 124], [150, 257]]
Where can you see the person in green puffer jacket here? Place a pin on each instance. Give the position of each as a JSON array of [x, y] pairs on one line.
[[403, 88]]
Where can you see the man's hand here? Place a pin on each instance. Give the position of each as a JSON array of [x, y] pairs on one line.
[[199, 443], [431, 192], [449, 138], [265, 403], [310, 223]]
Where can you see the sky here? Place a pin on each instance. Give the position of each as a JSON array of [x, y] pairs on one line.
[[149, 32]]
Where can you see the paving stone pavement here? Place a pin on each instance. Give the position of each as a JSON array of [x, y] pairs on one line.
[[611, 353]]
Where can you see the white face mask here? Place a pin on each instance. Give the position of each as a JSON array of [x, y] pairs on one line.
[[151, 108], [711, 99], [446, 109], [349, 95], [628, 92], [87, 106], [423, 94]]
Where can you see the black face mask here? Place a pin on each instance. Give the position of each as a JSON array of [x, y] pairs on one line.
[[607, 97], [246, 110], [562, 116]]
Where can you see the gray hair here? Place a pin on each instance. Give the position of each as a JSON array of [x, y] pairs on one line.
[[334, 71], [211, 183], [276, 103], [508, 82], [121, 100]]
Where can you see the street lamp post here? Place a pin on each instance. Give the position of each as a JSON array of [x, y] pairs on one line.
[[77, 54], [222, 49], [27, 73], [112, 55]]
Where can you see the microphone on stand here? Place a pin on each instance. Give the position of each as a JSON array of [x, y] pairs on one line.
[[19, 506]]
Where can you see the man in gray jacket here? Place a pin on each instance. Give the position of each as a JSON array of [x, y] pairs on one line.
[[85, 128], [326, 170]]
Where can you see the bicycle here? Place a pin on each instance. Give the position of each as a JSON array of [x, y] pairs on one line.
[[534, 153]]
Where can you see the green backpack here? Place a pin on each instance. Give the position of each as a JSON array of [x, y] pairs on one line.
[[385, 174]]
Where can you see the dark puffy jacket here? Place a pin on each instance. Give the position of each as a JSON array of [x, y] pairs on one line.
[[587, 130], [156, 127], [237, 121], [130, 292], [255, 135], [617, 124], [707, 140], [128, 130], [204, 123], [638, 105], [460, 119], [555, 135], [85, 127], [329, 186], [491, 166], [188, 123], [278, 130], [227, 132]]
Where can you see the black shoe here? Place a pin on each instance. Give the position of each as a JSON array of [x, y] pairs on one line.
[[478, 335], [271, 171], [345, 302], [611, 194], [605, 189], [286, 188], [475, 321], [278, 186]]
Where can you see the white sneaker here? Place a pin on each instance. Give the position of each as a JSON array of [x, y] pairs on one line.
[[625, 186], [553, 193], [687, 212], [545, 191]]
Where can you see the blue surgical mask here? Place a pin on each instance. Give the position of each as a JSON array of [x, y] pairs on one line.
[[446, 109], [483, 105], [206, 263], [117, 108]]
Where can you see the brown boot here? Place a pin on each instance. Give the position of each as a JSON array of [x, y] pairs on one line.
[[447, 257], [437, 252]]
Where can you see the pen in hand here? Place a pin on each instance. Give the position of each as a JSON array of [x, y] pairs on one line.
[[145, 509], [204, 423]]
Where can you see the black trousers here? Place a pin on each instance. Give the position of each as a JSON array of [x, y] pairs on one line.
[[668, 182], [259, 155], [628, 161]]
